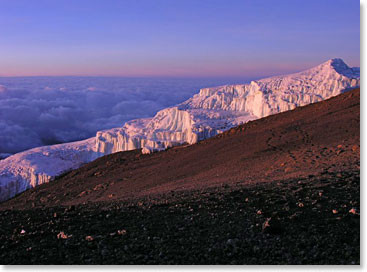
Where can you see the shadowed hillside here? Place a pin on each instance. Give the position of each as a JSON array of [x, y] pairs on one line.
[[282, 189], [323, 137]]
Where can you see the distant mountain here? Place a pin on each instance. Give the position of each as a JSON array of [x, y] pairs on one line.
[[206, 114]]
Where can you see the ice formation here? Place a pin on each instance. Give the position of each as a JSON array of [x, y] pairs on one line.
[[211, 111]]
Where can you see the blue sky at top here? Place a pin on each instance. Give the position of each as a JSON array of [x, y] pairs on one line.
[[175, 38]]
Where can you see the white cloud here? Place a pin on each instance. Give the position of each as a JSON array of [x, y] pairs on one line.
[[39, 111]]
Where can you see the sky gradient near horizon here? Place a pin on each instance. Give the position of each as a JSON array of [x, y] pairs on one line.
[[183, 38]]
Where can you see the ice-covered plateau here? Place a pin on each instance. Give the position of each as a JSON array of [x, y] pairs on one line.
[[211, 111]]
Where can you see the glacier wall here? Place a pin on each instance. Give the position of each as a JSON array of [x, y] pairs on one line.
[[206, 114], [39, 165]]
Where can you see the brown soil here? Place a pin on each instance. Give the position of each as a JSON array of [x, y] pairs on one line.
[[280, 190], [306, 141]]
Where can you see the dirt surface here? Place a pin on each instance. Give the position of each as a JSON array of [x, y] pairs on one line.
[[312, 222], [308, 140], [279, 190]]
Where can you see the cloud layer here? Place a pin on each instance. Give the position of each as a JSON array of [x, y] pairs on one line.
[[47, 110]]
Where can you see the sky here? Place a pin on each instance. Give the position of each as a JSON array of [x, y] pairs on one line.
[[181, 38]]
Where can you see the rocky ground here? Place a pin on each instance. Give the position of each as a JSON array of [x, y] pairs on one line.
[[280, 190], [305, 221]]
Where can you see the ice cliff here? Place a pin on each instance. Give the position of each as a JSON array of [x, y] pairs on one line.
[[211, 111]]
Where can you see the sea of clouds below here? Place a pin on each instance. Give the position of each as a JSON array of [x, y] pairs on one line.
[[36, 111]]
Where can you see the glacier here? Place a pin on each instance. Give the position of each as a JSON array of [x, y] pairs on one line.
[[39, 111], [206, 114]]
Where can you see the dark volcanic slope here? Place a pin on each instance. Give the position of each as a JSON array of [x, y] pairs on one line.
[[280, 190], [306, 141]]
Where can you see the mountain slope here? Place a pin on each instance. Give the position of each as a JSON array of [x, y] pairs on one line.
[[284, 189], [316, 139], [207, 114]]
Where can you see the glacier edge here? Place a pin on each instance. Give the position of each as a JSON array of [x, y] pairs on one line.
[[206, 114]]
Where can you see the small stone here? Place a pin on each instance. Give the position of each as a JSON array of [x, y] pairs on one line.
[[62, 235], [259, 212], [89, 238], [301, 205], [288, 169], [98, 187], [353, 211], [272, 226], [22, 231], [121, 232], [335, 211], [82, 193]]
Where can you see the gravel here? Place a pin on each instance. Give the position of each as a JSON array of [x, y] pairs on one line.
[[218, 225]]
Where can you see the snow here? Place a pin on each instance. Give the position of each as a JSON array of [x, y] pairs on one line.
[[39, 111], [39, 165], [206, 114]]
